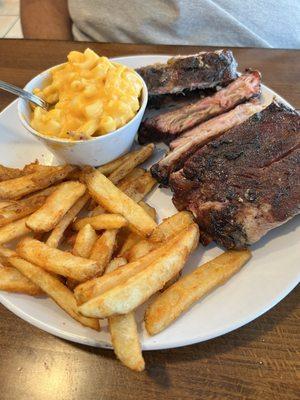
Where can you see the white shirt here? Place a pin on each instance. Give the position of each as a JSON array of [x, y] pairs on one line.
[[250, 23]]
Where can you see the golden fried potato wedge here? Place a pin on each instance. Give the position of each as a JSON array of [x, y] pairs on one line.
[[149, 210], [56, 206], [98, 210], [115, 263], [19, 187], [57, 234], [7, 173], [127, 296], [179, 297], [170, 226], [130, 178], [125, 341], [166, 229], [7, 203], [124, 333], [137, 187], [140, 249], [136, 157], [102, 221], [171, 281], [22, 208], [97, 286], [11, 280], [130, 240], [6, 253], [140, 187], [14, 230], [54, 288], [36, 167], [103, 249], [108, 168], [57, 261], [114, 200], [85, 241]]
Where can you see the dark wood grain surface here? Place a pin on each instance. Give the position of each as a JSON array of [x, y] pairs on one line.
[[259, 361]]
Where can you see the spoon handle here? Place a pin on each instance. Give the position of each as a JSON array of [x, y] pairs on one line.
[[24, 94]]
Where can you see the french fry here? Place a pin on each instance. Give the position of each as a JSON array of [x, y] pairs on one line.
[[179, 297], [166, 229], [102, 221], [149, 210], [97, 286], [80, 173], [7, 173], [125, 341], [140, 249], [103, 249], [171, 226], [11, 280], [125, 297], [6, 253], [114, 200], [98, 210], [140, 187], [22, 208], [108, 168], [85, 241], [137, 187], [126, 238], [56, 206], [36, 167], [19, 187], [123, 331], [4, 204], [131, 239], [58, 232], [115, 263], [171, 281], [58, 261], [54, 288], [136, 157], [130, 178], [13, 230]]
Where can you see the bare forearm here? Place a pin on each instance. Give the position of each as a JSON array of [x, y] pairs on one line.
[[46, 19]]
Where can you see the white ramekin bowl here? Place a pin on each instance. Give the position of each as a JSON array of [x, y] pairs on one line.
[[95, 152]]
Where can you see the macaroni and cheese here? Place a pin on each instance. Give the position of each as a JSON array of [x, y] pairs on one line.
[[89, 96]]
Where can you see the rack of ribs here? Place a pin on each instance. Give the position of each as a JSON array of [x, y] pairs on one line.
[[198, 71], [246, 182], [168, 126], [192, 140]]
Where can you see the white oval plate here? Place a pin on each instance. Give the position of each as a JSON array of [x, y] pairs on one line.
[[267, 278]]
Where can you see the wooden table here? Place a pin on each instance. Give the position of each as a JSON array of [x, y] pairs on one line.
[[258, 361]]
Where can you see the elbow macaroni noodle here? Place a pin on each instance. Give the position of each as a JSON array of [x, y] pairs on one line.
[[89, 96]]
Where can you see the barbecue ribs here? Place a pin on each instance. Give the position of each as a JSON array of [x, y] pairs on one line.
[[168, 126], [197, 71], [247, 181]]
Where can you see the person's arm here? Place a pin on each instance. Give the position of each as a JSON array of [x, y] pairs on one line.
[[45, 19]]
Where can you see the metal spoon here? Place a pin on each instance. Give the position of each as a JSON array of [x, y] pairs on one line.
[[24, 95]]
